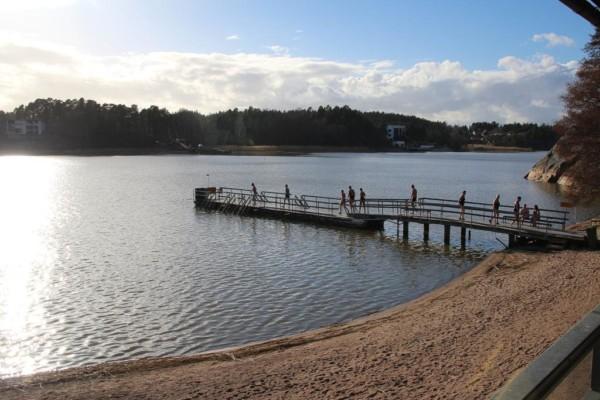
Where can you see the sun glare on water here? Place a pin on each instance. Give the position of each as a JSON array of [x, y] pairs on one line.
[[27, 251]]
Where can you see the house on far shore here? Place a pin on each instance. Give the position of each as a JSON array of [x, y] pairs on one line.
[[397, 135], [23, 127]]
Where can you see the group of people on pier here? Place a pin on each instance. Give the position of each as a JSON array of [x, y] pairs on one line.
[[362, 202], [520, 214], [348, 204]]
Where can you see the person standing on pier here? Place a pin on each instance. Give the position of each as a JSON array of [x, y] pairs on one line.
[[342, 200], [254, 193], [461, 205], [517, 211], [413, 196], [535, 217], [525, 213], [363, 203], [351, 197], [496, 209], [287, 196]]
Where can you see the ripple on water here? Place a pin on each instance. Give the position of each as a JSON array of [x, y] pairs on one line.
[[130, 278]]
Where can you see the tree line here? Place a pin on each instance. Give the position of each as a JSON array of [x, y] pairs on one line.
[[80, 123]]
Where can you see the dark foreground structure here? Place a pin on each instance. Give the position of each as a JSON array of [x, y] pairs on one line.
[[548, 230], [578, 348]]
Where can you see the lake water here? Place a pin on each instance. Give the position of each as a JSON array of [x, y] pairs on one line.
[[106, 258]]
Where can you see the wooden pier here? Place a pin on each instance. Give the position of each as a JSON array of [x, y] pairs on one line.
[[549, 229]]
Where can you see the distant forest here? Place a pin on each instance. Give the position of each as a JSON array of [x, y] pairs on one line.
[[86, 124]]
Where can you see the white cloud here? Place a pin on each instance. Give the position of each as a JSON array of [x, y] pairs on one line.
[[540, 103], [279, 50], [232, 37], [553, 40], [517, 90]]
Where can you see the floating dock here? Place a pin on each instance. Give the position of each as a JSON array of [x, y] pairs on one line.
[[315, 209]]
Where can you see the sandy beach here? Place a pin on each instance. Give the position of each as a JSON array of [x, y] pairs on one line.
[[462, 341]]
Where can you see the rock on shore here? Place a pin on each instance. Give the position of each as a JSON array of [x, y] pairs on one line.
[[550, 169], [571, 164]]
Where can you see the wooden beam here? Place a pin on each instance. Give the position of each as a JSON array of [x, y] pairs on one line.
[[587, 10]]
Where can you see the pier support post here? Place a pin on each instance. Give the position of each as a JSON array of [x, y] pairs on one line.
[[446, 234], [511, 241], [425, 232], [463, 236], [405, 230], [592, 237]]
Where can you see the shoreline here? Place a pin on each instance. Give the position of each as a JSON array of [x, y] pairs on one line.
[[486, 148], [237, 150], [462, 340]]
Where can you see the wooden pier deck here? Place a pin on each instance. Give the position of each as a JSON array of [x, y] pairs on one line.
[[426, 211]]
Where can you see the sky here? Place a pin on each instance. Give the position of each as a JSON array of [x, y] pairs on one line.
[[457, 61]]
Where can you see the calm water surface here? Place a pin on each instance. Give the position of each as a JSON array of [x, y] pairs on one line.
[[105, 258]]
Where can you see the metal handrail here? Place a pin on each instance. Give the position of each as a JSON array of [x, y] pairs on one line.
[[546, 372], [503, 212], [450, 201], [504, 209], [482, 217], [244, 205], [300, 204]]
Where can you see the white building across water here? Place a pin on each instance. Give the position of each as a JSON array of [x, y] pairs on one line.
[[397, 135], [23, 127]]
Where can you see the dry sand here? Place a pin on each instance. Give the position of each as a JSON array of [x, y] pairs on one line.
[[462, 341]]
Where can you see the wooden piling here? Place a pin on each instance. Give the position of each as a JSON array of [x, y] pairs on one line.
[[446, 234], [405, 230], [425, 231], [592, 237], [463, 236]]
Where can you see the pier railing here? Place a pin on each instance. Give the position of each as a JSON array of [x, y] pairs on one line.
[[243, 198], [319, 205], [482, 212], [542, 377]]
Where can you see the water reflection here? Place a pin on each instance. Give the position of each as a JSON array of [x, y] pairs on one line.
[[28, 251]]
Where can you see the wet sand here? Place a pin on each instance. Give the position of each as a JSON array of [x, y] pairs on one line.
[[462, 341]]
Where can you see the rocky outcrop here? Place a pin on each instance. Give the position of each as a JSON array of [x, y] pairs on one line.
[[550, 168], [572, 164]]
